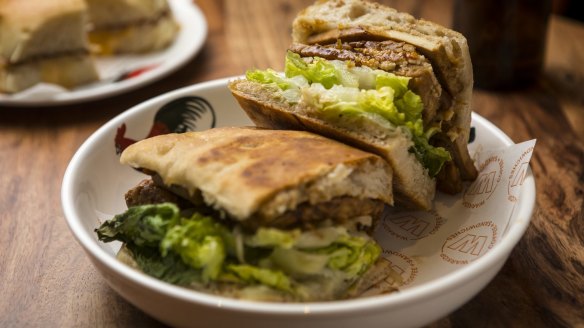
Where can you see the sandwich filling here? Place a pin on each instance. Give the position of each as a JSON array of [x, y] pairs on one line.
[[288, 210], [346, 94], [399, 58], [198, 251]]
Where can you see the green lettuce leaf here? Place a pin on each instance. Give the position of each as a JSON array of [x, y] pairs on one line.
[[432, 157], [353, 255], [298, 263], [252, 275], [141, 225], [270, 77], [318, 71], [169, 268], [381, 102], [271, 237], [201, 242], [399, 84]]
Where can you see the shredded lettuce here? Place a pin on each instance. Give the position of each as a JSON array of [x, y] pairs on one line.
[[252, 274], [168, 268], [340, 89], [184, 250], [270, 237], [298, 263], [201, 243], [318, 71], [357, 261], [351, 254], [144, 225], [270, 77]]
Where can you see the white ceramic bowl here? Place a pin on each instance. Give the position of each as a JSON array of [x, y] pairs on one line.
[[436, 284]]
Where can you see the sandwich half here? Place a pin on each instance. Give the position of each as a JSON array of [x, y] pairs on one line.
[[379, 80], [130, 26], [44, 41], [257, 214]]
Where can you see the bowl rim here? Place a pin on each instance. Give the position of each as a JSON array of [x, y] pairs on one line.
[[423, 292]]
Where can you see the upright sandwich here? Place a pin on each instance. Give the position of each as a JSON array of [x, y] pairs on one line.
[[43, 41], [380, 80], [130, 26], [253, 213]]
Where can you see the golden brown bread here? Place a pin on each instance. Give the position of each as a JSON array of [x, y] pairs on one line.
[[246, 170]]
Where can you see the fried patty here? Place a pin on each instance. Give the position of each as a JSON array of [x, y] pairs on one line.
[[305, 216]]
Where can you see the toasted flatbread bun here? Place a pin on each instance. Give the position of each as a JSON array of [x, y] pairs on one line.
[[245, 170], [326, 21], [413, 186]]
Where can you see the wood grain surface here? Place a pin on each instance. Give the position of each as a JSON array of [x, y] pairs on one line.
[[46, 279]]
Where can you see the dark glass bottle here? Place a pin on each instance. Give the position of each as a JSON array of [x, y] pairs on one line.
[[506, 39]]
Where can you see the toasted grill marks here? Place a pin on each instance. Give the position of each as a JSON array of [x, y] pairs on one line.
[[399, 58], [305, 216], [268, 162]]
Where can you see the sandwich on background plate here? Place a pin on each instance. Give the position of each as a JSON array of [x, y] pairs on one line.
[[257, 214], [381, 81], [130, 26], [44, 41]]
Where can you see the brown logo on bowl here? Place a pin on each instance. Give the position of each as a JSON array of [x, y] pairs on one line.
[[490, 172], [518, 174], [401, 265], [469, 243], [412, 225]]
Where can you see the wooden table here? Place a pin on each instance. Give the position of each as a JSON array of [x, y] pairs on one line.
[[46, 279]]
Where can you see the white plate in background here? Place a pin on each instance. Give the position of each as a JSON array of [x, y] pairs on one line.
[[147, 68]]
